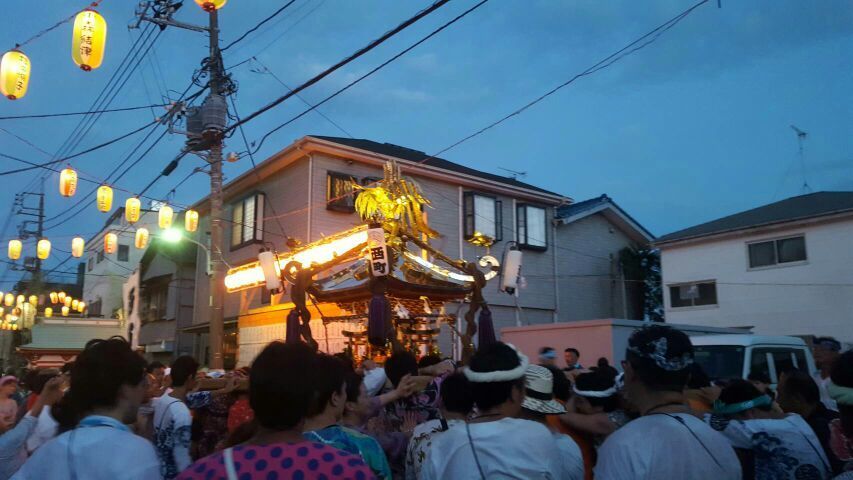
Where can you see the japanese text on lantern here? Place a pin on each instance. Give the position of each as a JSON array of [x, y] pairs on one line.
[[377, 251]]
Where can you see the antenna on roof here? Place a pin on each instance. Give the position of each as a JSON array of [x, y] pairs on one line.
[[513, 173], [801, 137]]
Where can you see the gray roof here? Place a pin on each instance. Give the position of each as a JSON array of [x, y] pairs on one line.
[[792, 209], [404, 153], [578, 209]]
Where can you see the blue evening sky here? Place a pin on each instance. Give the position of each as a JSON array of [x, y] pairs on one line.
[[690, 128]]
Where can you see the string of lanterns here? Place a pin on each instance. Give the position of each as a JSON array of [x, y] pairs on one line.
[[88, 44], [18, 312]]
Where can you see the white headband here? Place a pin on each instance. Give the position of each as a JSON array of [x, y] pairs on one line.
[[618, 383], [595, 394], [499, 375]]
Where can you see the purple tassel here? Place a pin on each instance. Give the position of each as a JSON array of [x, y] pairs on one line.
[[377, 320], [291, 332], [486, 330]]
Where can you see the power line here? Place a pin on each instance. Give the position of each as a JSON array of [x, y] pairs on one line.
[[370, 46], [371, 72], [78, 154], [256, 27], [90, 112], [300, 97], [282, 34]]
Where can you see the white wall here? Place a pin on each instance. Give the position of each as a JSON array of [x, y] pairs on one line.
[[815, 297], [106, 279]]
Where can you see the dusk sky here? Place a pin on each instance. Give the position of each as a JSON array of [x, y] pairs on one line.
[[690, 128]]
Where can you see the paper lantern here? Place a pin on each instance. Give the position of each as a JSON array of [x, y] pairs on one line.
[[89, 39], [14, 74], [211, 5], [110, 242], [15, 247], [74, 304], [65, 311], [78, 246], [81, 307], [9, 300], [105, 198], [54, 297], [67, 182], [165, 216], [191, 221], [1, 311], [20, 299], [61, 296], [43, 249], [48, 312], [141, 240], [68, 301], [132, 208], [15, 325], [34, 300]]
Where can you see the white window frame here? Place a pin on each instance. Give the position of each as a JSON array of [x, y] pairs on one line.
[[473, 217], [716, 303], [251, 230], [522, 234], [775, 241]]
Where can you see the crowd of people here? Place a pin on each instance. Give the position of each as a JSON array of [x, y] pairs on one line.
[[300, 414]]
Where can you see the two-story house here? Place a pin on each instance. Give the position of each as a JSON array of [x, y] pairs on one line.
[[304, 192], [106, 273], [783, 268]]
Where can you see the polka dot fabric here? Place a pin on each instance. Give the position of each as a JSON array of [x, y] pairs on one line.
[[301, 461]]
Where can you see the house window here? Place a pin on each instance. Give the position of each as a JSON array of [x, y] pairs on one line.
[[155, 298], [100, 256], [247, 220], [483, 215], [370, 181], [91, 263], [693, 294], [531, 227], [339, 192], [123, 253], [776, 252]]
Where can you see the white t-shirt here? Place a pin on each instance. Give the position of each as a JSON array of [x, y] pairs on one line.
[[822, 383], [46, 429], [506, 448], [664, 446], [172, 431], [102, 448], [785, 448], [571, 460]]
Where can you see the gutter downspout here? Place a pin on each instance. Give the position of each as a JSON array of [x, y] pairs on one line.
[[457, 345], [310, 195], [554, 259]]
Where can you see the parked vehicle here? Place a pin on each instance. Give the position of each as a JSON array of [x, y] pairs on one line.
[[737, 356]]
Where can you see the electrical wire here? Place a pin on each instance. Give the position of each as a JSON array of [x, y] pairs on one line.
[[300, 97], [90, 112], [78, 154], [371, 72], [282, 34], [259, 25], [358, 53]]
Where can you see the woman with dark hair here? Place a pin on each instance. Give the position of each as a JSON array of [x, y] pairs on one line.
[[596, 407], [281, 392], [108, 384]]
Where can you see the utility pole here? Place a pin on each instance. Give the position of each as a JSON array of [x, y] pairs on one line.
[[38, 233], [208, 124], [213, 133]]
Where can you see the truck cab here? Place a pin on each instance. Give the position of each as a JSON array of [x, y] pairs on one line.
[[736, 356]]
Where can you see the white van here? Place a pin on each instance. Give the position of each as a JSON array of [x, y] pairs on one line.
[[736, 356]]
